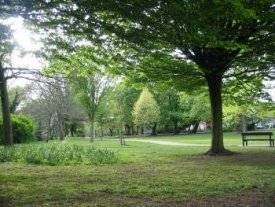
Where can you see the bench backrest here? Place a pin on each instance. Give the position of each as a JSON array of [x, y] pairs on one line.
[[257, 133]]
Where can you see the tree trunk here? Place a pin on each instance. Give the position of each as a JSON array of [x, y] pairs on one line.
[[189, 128], [127, 129], [92, 127], [7, 127], [62, 131], [132, 129], [102, 132], [243, 124], [137, 130], [92, 131], [176, 128], [154, 130], [195, 127], [111, 131], [61, 127], [214, 82]]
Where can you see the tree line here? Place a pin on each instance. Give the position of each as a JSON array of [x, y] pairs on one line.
[[121, 108]]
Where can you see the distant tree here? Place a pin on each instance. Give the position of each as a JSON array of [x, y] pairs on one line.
[[170, 109], [126, 96], [146, 111], [54, 109], [195, 108], [56, 96], [236, 114], [86, 76], [241, 100], [105, 112], [16, 96], [245, 117]]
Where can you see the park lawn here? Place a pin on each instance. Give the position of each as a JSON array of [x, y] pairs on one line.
[[230, 138], [146, 175]]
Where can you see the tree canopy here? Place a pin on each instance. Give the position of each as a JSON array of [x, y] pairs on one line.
[[190, 43]]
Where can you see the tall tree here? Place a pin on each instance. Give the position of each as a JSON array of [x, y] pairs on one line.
[[170, 107], [126, 96], [6, 46], [86, 76], [56, 96], [7, 71], [8, 138], [146, 111]]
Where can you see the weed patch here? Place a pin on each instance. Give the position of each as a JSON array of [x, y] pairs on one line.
[[57, 154]]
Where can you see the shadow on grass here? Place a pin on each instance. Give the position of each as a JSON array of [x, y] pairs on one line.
[[253, 159], [250, 158], [5, 201]]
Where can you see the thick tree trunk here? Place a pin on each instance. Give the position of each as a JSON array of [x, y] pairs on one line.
[[7, 127], [214, 82]]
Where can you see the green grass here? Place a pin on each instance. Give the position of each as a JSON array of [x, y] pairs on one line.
[[230, 138], [147, 175], [57, 154]]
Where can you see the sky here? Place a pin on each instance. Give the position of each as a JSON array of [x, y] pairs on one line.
[[22, 56], [29, 42]]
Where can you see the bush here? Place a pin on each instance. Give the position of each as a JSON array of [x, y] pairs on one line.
[[22, 128], [57, 154]]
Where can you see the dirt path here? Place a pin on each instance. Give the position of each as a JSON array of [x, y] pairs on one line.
[[187, 144], [167, 143]]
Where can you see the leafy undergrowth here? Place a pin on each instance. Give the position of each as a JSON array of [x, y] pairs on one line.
[[57, 154]]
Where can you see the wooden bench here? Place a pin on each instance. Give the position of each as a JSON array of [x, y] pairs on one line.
[[261, 136]]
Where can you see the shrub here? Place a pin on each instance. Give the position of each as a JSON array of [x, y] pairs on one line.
[[22, 128], [57, 154]]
